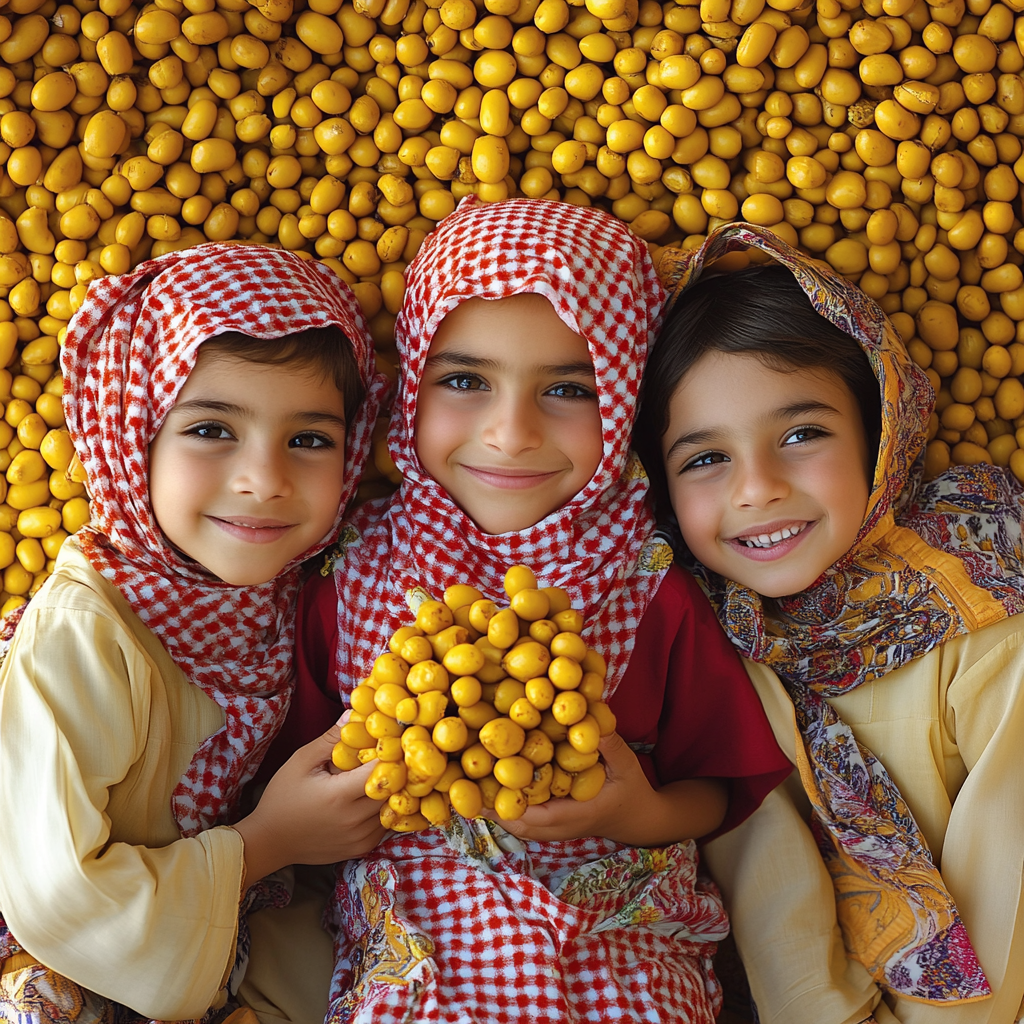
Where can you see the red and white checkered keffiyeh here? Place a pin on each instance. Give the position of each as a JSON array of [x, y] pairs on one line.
[[128, 352], [599, 278]]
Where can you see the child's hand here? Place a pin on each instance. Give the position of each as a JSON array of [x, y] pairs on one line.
[[628, 809], [310, 813], [626, 789]]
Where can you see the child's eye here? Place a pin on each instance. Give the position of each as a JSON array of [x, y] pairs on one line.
[[463, 382], [804, 434], [210, 432], [569, 390], [309, 440], [704, 459]]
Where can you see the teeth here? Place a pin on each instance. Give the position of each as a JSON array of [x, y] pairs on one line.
[[766, 540]]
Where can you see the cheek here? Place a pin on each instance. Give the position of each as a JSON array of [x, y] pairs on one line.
[[164, 478], [590, 456], [587, 443], [436, 434], [698, 519], [852, 497], [325, 490]]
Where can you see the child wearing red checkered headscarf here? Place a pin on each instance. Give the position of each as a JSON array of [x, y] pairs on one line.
[[522, 338], [220, 400]]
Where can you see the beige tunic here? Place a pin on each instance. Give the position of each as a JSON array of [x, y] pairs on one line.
[[98, 724], [949, 727]]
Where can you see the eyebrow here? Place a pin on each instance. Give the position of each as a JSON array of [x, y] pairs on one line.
[[207, 405], [707, 436], [461, 360]]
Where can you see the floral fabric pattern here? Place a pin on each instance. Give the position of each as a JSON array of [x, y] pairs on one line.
[[525, 932]]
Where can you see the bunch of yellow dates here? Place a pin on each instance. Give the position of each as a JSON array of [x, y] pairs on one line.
[[476, 706]]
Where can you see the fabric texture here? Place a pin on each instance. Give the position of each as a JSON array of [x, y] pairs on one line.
[[408, 941], [98, 724], [128, 352], [949, 727], [931, 562], [486, 930]]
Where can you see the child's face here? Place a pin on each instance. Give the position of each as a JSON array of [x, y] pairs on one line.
[[247, 471], [767, 471], [507, 420]]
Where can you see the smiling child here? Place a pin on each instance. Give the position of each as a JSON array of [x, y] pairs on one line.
[[784, 422], [222, 440]]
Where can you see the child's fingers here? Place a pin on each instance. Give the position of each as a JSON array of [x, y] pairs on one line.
[[617, 755], [356, 777], [553, 820], [319, 750]]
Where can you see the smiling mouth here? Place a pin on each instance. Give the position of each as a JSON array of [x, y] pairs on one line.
[[251, 529], [769, 540], [509, 479]]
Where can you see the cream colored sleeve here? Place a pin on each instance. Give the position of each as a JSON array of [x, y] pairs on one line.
[[983, 848], [781, 901], [151, 928]]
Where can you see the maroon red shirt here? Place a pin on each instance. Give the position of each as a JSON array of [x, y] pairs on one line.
[[685, 704]]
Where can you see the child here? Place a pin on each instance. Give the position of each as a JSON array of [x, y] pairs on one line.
[[214, 397], [880, 614], [522, 337]]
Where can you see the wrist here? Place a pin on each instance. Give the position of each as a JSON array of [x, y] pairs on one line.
[[638, 821], [260, 855]]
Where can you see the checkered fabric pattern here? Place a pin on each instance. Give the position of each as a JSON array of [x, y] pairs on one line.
[[599, 278], [128, 352], [424, 934]]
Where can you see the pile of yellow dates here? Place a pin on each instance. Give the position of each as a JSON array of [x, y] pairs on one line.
[[881, 136], [477, 706]]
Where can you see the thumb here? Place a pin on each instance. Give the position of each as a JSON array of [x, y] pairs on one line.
[[616, 752], [319, 750]]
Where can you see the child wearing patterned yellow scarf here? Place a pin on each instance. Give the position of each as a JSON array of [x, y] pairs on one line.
[[784, 422]]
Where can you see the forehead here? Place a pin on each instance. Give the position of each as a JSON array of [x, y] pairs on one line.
[[517, 329], [225, 375], [738, 387]]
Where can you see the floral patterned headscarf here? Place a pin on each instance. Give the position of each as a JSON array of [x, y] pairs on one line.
[[128, 352], [931, 561], [600, 546]]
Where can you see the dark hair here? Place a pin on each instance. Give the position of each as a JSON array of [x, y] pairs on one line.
[[322, 349], [761, 310]]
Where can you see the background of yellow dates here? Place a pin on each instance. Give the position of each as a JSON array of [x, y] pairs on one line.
[[883, 136]]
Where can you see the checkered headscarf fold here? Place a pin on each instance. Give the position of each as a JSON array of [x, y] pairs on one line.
[[128, 352]]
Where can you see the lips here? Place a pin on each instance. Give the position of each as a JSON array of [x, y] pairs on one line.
[[772, 541], [510, 479], [252, 529], [766, 538]]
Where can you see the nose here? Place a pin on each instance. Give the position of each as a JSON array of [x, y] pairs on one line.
[[513, 425], [262, 470], [759, 482]]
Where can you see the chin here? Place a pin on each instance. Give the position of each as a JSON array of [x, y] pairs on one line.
[[498, 521], [245, 577], [785, 587]]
